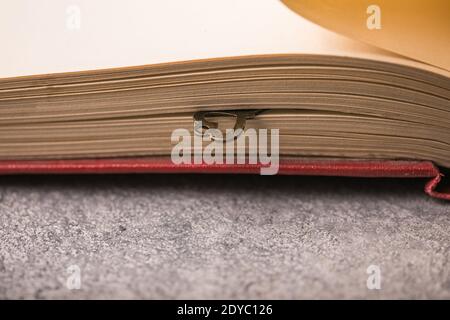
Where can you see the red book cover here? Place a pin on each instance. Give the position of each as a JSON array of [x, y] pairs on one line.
[[344, 168]]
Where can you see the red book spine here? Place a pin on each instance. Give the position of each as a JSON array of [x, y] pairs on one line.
[[347, 168]]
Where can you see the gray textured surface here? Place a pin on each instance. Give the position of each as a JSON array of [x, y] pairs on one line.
[[158, 236]]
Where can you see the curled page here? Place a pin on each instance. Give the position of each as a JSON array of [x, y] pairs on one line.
[[416, 29]]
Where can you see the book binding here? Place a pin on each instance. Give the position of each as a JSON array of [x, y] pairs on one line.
[[344, 168]]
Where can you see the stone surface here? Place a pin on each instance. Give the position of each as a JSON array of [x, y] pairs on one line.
[[186, 236]]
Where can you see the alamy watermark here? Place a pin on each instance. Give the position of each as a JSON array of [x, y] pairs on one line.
[[373, 21], [73, 281], [73, 17], [374, 279], [238, 146]]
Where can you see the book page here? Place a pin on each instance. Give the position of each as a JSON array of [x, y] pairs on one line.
[[49, 36], [414, 28]]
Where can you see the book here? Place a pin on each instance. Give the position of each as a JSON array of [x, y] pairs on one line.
[[323, 84]]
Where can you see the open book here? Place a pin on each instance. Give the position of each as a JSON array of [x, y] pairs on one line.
[[105, 80]]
